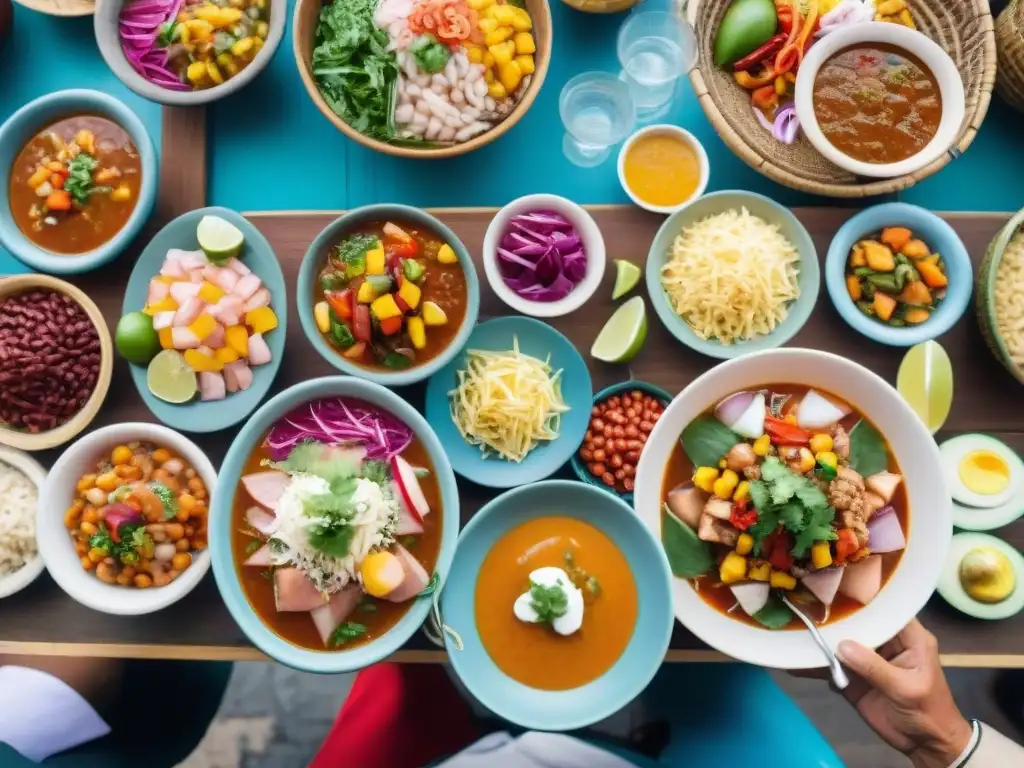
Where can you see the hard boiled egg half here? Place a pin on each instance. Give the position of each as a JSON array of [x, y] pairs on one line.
[[986, 480], [983, 577]]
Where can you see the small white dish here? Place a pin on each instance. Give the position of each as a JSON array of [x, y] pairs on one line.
[[951, 89], [665, 129], [593, 245], [33, 470], [55, 543]]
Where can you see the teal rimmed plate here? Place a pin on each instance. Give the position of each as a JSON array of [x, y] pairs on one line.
[[539, 340], [212, 415]]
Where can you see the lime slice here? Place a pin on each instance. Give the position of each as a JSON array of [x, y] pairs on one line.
[[624, 333], [925, 380], [170, 378], [627, 275], [135, 338], [219, 239]]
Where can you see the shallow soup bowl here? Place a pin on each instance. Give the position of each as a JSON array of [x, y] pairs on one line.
[[627, 676], [929, 518], [223, 524]]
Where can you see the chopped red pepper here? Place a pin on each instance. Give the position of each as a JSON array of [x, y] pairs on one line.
[[404, 249], [402, 305], [765, 98], [361, 327], [741, 517], [760, 54], [391, 325], [341, 302], [764, 76], [775, 548], [846, 545], [783, 433]]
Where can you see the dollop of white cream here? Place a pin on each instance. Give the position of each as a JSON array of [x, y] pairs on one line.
[[567, 623]]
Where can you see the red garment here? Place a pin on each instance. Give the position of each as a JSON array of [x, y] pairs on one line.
[[398, 716]]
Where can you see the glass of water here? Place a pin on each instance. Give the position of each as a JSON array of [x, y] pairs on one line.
[[655, 48], [598, 112]]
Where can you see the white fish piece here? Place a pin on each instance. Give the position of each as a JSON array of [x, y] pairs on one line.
[[188, 312], [258, 300], [193, 260], [182, 338], [259, 352], [236, 265], [182, 292], [158, 291], [246, 287], [163, 320]]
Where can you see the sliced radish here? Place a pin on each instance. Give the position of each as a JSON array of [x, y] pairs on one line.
[[407, 524], [409, 488], [752, 596], [262, 557], [817, 412], [751, 423]]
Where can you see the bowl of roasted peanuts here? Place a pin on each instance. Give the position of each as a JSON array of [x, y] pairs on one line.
[[123, 518]]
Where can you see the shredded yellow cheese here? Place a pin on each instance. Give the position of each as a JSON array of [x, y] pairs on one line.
[[507, 402], [731, 276]]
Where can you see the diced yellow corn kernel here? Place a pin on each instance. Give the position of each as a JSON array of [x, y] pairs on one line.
[[525, 43], [821, 555], [376, 261], [199, 361], [742, 491], [322, 315], [446, 254], [262, 320], [828, 458], [505, 14], [184, 34], [821, 442], [385, 307], [510, 75], [522, 21], [762, 445], [42, 174], [257, 45], [726, 484], [475, 55], [805, 461], [166, 341], [487, 26], [744, 544], [410, 293], [760, 572], [496, 91], [203, 326], [733, 568], [502, 53], [229, 16], [526, 64], [433, 314], [202, 31], [704, 478], [214, 72], [242, 47], [782, 580], [196, 72], [262, 30], [86, 141], [417, 332], [365, 294], [488, 60], [122, 193], [210, 293], [238, 339], [488, 75], [227, 64]]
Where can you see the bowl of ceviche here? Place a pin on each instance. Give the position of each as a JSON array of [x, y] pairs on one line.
[[799, 473], [333, 523], [185, 54], [422, 78]]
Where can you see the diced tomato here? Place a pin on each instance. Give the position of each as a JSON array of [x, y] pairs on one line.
[[742, 517], [394, 265], [403, 249], [361, 327], [355, 351], [401, 303], [391, 326], [846, 545], [777, 545], [342, 302], [783, 433]]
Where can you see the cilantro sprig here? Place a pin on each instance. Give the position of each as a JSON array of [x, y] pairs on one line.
[[549, 602], [787, 498]]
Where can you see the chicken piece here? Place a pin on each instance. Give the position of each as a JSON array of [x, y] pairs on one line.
[[686, 503], [246, 286], [265, 487], [717, 532], [846, 494], [884, 484], [872, 503], [227, 311], [752, 472], [172, 268], [182, 291], [261, 520], [187, 313], [182, 338], [259, 299], [163, 320], [238, 376], [841, 442], [740, 457], [719, 508], [293, 591]]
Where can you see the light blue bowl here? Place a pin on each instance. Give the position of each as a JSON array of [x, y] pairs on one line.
[[539, 340], [772, 212], [577, 707], [939, 236], [30, 120], [329, 237], [210, 416], [225, 571]]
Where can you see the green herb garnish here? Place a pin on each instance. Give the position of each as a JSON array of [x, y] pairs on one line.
[[346, 633], [167, 498], [549, 602], [79, 181], [368, 605], [396, 361], [252, 546], [342, 334], [409, 542], [431, 56], [351, 253], [787, 498], [333, 281], [413, 270], [169, 32]]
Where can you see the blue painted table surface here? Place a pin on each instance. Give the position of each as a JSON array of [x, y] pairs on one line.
[[268, 148]]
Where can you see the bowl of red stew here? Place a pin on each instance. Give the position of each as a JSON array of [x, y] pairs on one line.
[[879, 99], [800, 474], [388, 293], [81, 179]]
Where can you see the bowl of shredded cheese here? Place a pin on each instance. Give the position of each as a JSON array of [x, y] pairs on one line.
[[733, 272], [514, 405]]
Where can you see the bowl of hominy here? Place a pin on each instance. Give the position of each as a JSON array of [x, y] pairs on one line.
[[21, 477], [1001, 296]]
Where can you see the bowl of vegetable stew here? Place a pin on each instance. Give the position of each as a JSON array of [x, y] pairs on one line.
[[388, 293], [898, 274]]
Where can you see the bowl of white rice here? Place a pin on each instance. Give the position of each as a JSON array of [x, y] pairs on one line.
[[21, 477], [1001, 296]]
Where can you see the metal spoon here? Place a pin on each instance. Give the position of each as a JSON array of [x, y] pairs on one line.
[[839, 678]]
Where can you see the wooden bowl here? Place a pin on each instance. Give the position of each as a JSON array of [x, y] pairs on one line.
[[60, 7], [307, 14], [39, 441], [986, 294], [962, 28]]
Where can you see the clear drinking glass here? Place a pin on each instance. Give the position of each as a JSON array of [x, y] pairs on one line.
[[655, 48], [597, 111]]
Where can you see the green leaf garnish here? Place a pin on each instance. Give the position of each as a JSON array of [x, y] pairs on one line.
[[346, 633], [79, 181], [252, 546], [787, 498], [706, 440], [688, 556], [868, 454], [775, 614], [549, 602], [167, 498]]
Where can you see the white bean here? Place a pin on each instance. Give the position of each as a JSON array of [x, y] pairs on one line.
[[480, 87], [413, 90], [472, 97], [440, 79], [451, 70], [471, 130], [476, 71], [470, 115], [433, 128], [423, 81], [438, 105], [419, 123], [164, 551], [456, 96], [423, 107], [447, 134], [461, 64], [490, 104], [410, 69], [404, 113], [453, 122]]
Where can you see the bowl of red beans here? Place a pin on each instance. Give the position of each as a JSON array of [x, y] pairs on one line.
[[621, 420]]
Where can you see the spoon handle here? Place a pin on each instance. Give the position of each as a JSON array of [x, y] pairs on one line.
[[839, 678]]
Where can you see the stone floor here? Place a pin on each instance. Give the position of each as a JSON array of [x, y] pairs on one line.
[[274, 717]]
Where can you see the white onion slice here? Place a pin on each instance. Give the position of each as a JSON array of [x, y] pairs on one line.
[[728, 411], [885, 534], [818, 412], [824, 584], [751, 423], [752, 596]]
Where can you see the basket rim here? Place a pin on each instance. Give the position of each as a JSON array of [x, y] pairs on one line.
[[972, 120]]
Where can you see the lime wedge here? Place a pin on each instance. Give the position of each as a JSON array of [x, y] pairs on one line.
[[624, 333], [925, 380], [627, 275], [219, 239], [170, 378]]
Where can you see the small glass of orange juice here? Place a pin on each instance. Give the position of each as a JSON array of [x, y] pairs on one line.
[[663, 167]]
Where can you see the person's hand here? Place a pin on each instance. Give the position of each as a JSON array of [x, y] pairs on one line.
[[902, 693]]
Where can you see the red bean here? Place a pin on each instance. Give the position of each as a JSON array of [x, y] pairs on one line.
[[620, 431], [615, 461], [598, 469], [609, 432], [632, 456], [587, 455], [598, 441], [597, 425], [632, 431], [620, 444], [608, 479], [620, 475], [628, 484], [599, 455], [588, 436], [646, 427]]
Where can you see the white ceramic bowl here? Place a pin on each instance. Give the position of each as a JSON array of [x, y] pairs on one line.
[[593, 244], [55, 543], [33, 470], [930, 526], [951, 88], [665, 129]]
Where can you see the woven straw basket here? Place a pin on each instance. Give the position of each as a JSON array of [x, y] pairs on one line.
[[1010, 45], [962, 27]]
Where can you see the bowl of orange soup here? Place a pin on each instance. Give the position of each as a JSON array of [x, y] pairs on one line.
[[561, 599]]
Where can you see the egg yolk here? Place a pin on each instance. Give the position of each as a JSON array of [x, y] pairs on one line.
[[381, 573], [984, 472]]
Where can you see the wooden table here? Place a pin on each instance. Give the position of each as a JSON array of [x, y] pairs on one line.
[[43, 620]]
